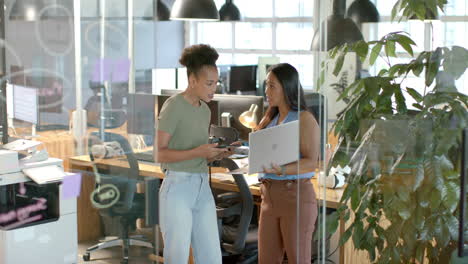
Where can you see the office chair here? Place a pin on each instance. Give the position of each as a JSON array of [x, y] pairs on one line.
[[116, 195], [237, 239]]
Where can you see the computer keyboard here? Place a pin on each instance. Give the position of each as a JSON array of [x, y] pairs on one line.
[[145, 156]]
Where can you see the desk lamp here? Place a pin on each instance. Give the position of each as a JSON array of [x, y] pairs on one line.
[[249, 118]]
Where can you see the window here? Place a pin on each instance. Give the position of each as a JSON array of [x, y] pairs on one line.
[[269, 28], [451, 29]]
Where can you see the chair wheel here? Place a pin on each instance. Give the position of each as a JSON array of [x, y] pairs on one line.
[[86, 257]]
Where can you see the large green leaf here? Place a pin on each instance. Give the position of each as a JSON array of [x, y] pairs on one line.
[[396, 69], [439, 183], [453, 225], [355, 198], [456, 62], [435, 199], [339, 64], [405, 42], [395, 9], [417, 96], [452, 196], [418, 178], [332, 222], [353, 88], [403, 210], [372, 86], [390, 48], [446, 141], [417, 68], [433, 64], [358, 234], [403, 193], [400, 100], [347, 192], [375, 52], [418, 106], [361, 48], [418, 218], [332, 53], [444, 162], [420, 253], [444, 238], [346, 235]]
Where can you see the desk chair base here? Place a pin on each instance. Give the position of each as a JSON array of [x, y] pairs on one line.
[[124, 243]]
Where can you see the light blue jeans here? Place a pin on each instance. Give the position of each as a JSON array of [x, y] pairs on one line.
[[188, 218]]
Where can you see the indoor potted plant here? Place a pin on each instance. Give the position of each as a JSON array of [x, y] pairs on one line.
[[404, 185]]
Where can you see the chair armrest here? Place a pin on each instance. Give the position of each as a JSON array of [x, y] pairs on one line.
[[223, 197], [152, 201]]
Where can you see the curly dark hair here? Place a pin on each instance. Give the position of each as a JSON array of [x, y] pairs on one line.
[[197, 56]]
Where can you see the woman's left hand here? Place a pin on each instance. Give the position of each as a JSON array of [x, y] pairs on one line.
[[275, 169]]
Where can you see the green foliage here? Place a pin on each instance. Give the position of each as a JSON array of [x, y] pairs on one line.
[[418, 8], [405, 164]]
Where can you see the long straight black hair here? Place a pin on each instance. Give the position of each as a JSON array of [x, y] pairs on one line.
[[288, 76]]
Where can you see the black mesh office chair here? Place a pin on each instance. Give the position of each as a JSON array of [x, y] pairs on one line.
[[115, 193], [234, 211]]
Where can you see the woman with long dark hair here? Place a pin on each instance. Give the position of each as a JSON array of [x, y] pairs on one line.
[[289, 207]]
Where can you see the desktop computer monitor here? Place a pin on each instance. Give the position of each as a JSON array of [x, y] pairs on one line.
[[142, 110], [236, 105], [170, 91], [243, 79], [213, 105], [316, 105], [141, 114], [25, 104], [49, 96]]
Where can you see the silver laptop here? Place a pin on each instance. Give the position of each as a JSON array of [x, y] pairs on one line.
[[278, 145]]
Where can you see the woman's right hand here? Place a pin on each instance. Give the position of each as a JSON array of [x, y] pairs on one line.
[[209, 151]]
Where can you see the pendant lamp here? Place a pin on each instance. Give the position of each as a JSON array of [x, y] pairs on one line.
[[194, 10], [339, 30]]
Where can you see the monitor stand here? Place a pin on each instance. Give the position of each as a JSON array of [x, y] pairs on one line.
[[33, 132], [22, 131]]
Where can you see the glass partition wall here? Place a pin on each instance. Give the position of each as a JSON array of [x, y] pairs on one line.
[[392, 116]]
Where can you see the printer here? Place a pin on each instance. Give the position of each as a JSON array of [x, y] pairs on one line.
[[36, 224]]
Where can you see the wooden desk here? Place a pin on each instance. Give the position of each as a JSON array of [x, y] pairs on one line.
[[89, 227], [60, 143]]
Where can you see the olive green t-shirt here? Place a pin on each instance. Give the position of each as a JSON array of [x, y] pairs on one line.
[[188, 126]]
